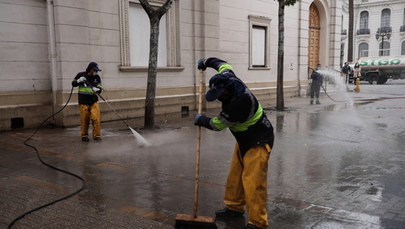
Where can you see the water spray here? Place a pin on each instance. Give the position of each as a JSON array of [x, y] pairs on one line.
[[326, 93], [141, 140]]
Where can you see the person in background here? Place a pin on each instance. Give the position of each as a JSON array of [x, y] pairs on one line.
[[357, 70], [346, 70], [316, 84], [89, 84], [244, 116]]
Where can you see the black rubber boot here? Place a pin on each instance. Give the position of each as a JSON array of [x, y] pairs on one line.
[[85, 139], [251, 226], [226, 212]]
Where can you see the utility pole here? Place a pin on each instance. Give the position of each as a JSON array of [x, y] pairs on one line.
[[350, 36]]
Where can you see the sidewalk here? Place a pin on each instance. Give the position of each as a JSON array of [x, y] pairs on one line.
[[132, 187]]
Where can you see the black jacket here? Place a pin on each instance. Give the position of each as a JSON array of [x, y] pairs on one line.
[[241, 112], [86, 94], [316, 79], [346, 69]]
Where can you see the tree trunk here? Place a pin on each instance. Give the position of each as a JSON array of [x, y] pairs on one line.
[[152, 68], [280, 61], [154, 18], [350, 32]]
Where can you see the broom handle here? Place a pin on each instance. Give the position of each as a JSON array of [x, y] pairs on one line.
[[197, 163]]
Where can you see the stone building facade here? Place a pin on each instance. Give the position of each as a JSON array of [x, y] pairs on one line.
[[385, 18], [44, 43]]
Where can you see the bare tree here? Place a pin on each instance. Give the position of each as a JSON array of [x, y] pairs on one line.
[[154, 14], [280, 61], [351, 22]]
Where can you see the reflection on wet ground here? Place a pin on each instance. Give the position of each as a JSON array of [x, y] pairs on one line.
[[332, 166]]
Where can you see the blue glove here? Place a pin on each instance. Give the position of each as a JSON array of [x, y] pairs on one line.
[[197, 119], [201, 64]]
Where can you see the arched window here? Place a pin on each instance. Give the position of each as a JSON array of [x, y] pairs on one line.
[[403, 48], [363, 49], [364, 20], [385, 18], [384, 48]]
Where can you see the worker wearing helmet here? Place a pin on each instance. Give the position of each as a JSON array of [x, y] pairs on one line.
[[241, 112], [89, 83]]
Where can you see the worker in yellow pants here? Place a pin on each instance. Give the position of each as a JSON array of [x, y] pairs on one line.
[[247, 184], [89, 83], [88, 113], [245, 117]]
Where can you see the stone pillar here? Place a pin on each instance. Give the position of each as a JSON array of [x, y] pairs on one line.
[[335, 33], [303, 46]]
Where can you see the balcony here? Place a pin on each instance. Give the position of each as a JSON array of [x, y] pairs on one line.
[[402, 29], [363, 31], [384, 30], [343, 32]]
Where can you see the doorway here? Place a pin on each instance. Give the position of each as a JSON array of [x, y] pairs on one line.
[[314, 36]]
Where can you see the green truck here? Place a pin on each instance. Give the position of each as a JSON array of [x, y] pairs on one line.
[[378, 70]]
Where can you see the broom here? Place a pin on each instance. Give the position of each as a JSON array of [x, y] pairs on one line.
[[184, 221]]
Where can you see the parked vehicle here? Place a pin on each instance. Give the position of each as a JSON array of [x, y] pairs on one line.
[[378, 70]]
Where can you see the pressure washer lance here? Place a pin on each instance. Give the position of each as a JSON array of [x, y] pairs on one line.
[[141, 140]]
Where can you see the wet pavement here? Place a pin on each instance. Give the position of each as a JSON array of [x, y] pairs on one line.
[[334, 165]]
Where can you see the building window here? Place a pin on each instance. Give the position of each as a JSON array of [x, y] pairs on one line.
[[385, 18], [139, 35], [258, 46], [364, 20], [259, 51], [384, 48], [403, 48], [135, 33], [363, 49]]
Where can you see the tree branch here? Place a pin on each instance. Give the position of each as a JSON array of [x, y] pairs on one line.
[[163, 9], [147, 7]]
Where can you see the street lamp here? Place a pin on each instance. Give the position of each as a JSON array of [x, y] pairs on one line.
[[382, 34]]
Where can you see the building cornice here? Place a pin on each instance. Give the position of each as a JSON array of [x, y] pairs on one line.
[[379, 3]]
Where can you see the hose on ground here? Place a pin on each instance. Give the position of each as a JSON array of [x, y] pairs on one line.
[[50, 166]]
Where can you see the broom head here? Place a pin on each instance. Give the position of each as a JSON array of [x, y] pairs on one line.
[[184, 221]]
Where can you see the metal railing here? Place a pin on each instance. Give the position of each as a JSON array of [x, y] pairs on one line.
[[384, 30], [363, 31]]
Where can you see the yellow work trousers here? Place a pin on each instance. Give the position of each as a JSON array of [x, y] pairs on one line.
[[247, 184], [90, 112]]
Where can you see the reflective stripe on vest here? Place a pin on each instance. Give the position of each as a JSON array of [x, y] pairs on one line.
[[224, 67], [86, 90], [216, 124]]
